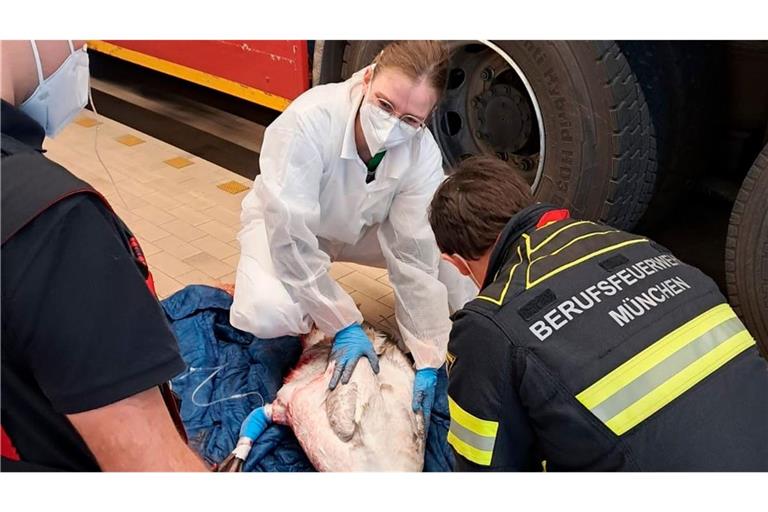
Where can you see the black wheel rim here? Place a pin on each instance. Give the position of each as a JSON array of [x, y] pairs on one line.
[[489, 108]]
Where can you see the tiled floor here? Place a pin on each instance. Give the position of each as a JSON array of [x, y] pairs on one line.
[[184, 210]]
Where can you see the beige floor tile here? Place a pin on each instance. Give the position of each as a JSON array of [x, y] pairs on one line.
[[177, 247], [202, 175], [222, 215], [100, 183], [187, 226], [233, 260], [199, 200], [165, 286], [209, 264], [172, 182], [163, 201], [190, 200], [148, 247], [219, 230], [228, 279], [183, 230], [214, 247], [129, 200], [231, 202], [113, 175], [144, 177], [197, 277], [373, 311], [364, 284], [190, 215], [385, 280], [346, 287], [170, 264], [213, 175], [339, 270], [169, 179], [123, 212], [136, 188], [178, 192], [372, 272], [148, 230], [182, 197], [153, 214], [388, 300]]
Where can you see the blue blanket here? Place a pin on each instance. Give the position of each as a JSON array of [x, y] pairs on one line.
[[230, 373]]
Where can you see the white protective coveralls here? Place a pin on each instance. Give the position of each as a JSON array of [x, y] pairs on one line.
[[311, 206]]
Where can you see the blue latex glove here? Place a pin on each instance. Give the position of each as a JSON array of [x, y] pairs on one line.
[[350, 344], [424, 393], [255, 424]]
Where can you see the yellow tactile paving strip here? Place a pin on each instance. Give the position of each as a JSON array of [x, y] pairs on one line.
[[179, 162], [127, 140], [185, 210], [233, 187], [86, 122]]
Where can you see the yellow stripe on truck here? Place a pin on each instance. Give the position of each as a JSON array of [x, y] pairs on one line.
[[193, 75]]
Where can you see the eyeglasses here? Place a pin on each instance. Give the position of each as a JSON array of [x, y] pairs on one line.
[[412, 121]]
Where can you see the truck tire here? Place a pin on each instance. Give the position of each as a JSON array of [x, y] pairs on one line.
[[686, 112], [597, 154], [746, 252]]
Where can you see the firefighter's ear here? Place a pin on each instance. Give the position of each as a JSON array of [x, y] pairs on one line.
[[458, 262]]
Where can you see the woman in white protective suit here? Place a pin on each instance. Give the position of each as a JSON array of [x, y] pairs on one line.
[[347, 174]]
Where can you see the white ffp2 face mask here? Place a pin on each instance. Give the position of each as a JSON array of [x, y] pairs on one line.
[[467, 271], [381, 130], [60, 97]]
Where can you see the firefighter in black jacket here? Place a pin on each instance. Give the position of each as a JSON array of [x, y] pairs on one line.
[[588, 348], [86, 348]]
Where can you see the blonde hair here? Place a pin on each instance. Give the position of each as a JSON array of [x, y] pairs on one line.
[[418, 60]]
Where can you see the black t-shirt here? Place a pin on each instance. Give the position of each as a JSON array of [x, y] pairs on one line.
[[80, 330]]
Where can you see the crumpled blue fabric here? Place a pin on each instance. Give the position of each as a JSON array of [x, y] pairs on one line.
[[230, 372], [438, 454]]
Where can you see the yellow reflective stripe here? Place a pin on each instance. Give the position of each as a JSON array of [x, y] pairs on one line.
[[553, 235], [192, 75], [531, 284], [500, 300], [653, 355], [577, 239], [481, 457], [527, 239], [472, 423], [680, 383]]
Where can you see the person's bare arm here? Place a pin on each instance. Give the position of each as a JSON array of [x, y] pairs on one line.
[[136, 434]]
